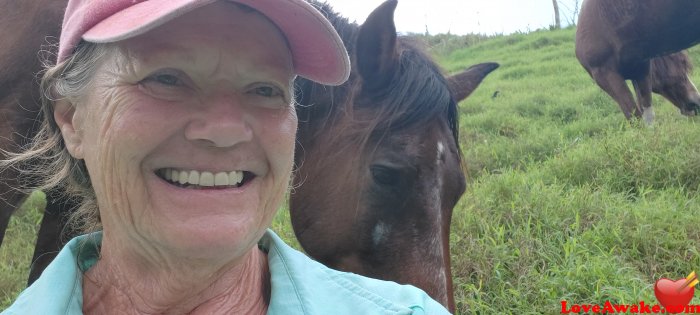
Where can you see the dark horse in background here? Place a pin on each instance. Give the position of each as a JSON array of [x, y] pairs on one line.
[[379, 163], [24, 28], [616, 41]]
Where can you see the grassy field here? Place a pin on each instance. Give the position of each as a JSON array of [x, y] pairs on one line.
[[566, 200]]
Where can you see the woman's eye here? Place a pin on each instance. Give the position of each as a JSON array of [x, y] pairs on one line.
[[166, 84], [268, 95], [267, 91], [167, 79]]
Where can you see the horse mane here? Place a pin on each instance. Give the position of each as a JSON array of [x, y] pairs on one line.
[[667, 67], [418, 93]]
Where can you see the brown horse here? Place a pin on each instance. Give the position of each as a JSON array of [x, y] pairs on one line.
[[615, 41], [24, 27], [379, 163], [670, 79]]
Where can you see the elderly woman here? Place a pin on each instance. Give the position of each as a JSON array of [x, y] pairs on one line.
[[174, 122]]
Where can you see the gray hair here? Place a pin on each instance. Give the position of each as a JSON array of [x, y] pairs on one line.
[[45, 163]]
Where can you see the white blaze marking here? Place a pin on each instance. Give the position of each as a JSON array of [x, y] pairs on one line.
[[440, 150], [380, 232]]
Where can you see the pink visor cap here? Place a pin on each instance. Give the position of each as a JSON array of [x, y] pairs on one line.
[[317, 51]]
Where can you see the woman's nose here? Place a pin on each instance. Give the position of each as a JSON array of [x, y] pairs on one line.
[[221, 122]]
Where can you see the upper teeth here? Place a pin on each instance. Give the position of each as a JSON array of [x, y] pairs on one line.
[[204, 178]]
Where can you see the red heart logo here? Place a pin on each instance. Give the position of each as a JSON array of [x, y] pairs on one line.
[[673, 295]]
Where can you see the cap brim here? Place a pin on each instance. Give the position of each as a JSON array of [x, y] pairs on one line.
[[317, 51]]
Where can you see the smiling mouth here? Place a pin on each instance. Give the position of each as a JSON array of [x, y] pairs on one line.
[[193, 179]]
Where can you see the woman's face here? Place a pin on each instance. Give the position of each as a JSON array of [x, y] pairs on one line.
[[188, 132]]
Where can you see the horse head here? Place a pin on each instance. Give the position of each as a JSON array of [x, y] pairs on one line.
[[670, 78], [379, 166]]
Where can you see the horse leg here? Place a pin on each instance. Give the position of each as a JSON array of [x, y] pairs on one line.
[[49, 241], [642, 86], [614, 84]]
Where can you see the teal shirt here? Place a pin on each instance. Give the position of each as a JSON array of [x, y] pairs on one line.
[[299, 285]]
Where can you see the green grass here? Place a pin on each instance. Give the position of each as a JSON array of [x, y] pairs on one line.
[[566, 200], [18, 247]]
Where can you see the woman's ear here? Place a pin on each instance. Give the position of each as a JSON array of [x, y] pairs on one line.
[[64, 113]]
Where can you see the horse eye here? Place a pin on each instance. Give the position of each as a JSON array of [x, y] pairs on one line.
[[385, 175]]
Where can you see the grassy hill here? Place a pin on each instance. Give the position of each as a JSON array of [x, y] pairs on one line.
[[566, 200]]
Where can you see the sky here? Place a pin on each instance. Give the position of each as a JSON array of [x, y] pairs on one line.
[[463, 16]]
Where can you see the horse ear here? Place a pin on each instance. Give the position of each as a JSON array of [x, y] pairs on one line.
[[376, 56], [465, 82]]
